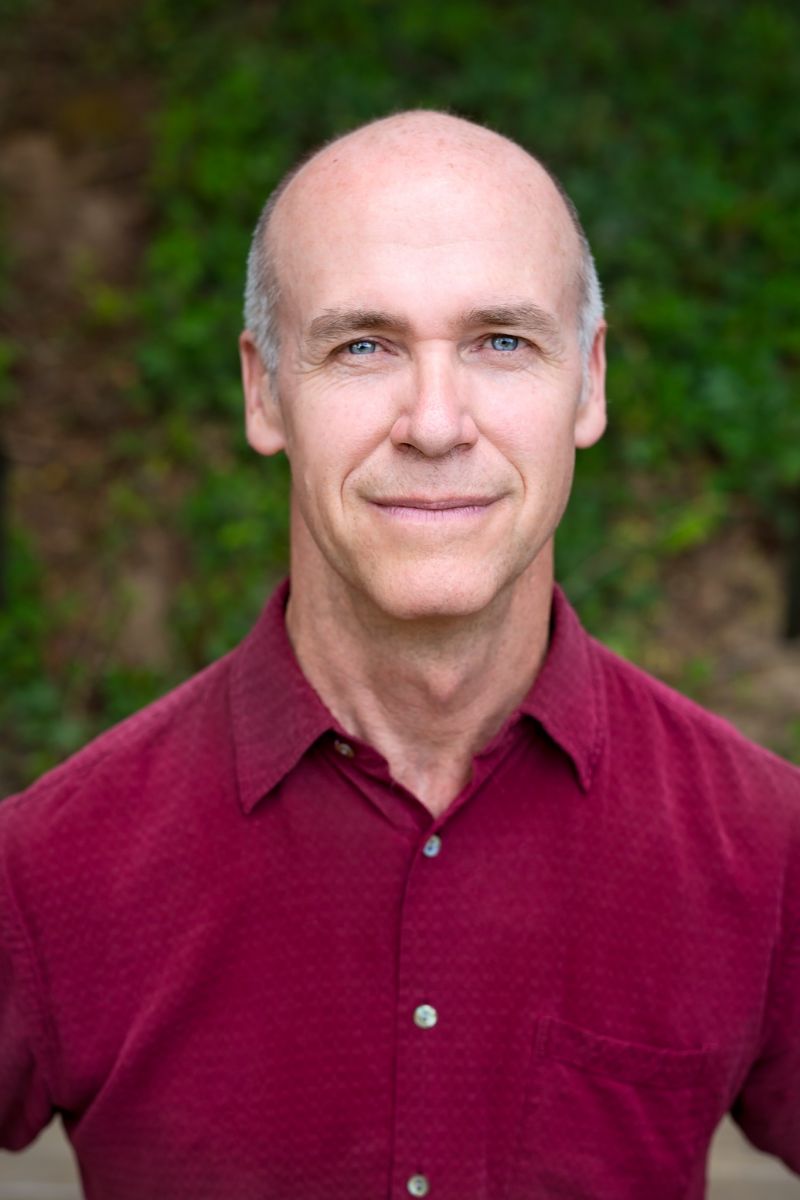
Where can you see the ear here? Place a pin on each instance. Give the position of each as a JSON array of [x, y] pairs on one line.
[[590, 418], [263, 420]]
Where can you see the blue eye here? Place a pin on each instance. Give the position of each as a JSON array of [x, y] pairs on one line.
[[504, 341], [363, 346]]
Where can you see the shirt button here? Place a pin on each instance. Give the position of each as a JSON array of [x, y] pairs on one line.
[[425, 1016], [418, 1185], [344, 749], [432, 846]]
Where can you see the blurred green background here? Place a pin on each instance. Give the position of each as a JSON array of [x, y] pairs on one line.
[[140, 535]]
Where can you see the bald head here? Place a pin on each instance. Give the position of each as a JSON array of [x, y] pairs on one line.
[[434, 160]]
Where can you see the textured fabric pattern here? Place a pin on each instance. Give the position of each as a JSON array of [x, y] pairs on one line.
[[219, 920]]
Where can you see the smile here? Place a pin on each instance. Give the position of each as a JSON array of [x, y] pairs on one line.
[[423, 509]]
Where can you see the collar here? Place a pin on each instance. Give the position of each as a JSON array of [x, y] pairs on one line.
[[566, 697], [277, 716]]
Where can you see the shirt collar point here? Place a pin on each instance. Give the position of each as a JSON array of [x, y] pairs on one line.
[[566, 696]]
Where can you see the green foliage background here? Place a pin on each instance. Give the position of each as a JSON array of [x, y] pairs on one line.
[[673, 126]]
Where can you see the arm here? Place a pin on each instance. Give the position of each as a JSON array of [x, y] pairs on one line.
[[25, 1097], [768, 1106], [25, 1104]]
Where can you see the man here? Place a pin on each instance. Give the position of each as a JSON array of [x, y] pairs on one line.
[[419, 891]]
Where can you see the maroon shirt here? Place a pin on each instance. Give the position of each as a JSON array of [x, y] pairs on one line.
[[241, 962]]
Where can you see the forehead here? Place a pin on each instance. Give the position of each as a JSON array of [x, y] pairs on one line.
[[423, 222]]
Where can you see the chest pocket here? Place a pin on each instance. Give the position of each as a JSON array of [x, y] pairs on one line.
[[613, 1120]]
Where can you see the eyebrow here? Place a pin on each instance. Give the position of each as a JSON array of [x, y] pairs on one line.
[[336, 323], [523, 315]]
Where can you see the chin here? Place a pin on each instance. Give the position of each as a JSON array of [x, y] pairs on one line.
[[416, 594]]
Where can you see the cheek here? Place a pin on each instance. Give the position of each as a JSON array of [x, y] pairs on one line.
[[333, 434], [324, 454], [538, 439]]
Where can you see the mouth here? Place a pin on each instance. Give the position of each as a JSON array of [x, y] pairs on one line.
[[424, 508]]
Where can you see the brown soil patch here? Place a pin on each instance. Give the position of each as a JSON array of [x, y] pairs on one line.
[[716, 635]]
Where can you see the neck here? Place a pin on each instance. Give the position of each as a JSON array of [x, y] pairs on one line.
[[427, 694]]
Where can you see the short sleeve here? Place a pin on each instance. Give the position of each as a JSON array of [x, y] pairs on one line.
[[768, 1106], [26, 1105]]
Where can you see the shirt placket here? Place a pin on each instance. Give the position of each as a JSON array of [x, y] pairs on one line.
[[419, 1160]]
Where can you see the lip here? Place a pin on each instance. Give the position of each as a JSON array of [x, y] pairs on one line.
[[440, 508], [436, 503]]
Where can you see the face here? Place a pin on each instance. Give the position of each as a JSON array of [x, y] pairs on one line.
[[429, 389]]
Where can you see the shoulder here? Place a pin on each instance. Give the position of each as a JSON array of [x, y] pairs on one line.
[[654, 729], [111, 778]]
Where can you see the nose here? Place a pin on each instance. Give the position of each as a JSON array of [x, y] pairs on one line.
[[435, 417]]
